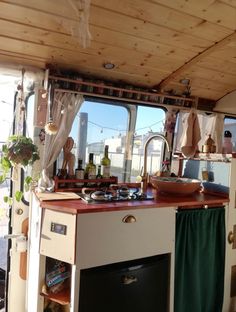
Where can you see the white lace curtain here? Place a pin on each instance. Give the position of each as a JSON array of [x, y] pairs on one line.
[[69, 104], [209, 124]]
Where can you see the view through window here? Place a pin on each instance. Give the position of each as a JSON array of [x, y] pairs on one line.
[[125, 129], [230, 125]]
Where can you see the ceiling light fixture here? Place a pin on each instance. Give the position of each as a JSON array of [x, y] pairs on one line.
[[108, 65], [185, 81]]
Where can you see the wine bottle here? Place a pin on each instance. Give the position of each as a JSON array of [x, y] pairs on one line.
[[106, 163], [79, 172], [90, 170], [99, 175]]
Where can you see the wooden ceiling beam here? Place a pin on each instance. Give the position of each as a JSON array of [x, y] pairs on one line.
[[194, 60]]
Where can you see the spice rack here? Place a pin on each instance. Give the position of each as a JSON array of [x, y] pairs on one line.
[[69, 185], [123, 93]]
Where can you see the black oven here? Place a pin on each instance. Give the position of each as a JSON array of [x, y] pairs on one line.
[[134, 286]]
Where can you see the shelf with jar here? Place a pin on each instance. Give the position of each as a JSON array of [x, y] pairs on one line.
[[122, 92], [71, 185]]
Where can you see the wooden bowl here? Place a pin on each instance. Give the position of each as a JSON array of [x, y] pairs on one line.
[[173, 185]]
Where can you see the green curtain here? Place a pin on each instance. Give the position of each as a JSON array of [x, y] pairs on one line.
[[199, 260]]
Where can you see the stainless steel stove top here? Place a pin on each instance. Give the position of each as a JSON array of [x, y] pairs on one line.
[[108, 196]]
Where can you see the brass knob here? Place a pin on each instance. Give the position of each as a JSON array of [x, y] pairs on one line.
[[230, 237], [129, 219]]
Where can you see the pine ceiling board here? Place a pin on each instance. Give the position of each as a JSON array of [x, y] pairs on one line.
[[200, 91], [165, 64], [207, 94], [115, 75], [145, 10], [226, 53], [229, 2], [200, 83], [33, 18], [62, 7], [220, 45], [151, 12], [132, 43], [52, 55], [211, 74], [211, 10], [106, 37], [138, 28], [221, 65], [163, 16], [210, 31], [109, 20], [18, 59]]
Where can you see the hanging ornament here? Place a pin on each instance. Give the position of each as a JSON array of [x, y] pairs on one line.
[[45, 84], [50, 128]]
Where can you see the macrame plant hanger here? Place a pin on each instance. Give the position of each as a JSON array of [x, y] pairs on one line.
[[19, 124]]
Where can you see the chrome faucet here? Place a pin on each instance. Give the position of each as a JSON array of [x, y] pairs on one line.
[[144, 182]]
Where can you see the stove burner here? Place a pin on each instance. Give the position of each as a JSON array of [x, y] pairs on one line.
[[113, 194]]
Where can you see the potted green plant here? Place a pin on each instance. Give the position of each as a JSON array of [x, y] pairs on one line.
[[18, 151]]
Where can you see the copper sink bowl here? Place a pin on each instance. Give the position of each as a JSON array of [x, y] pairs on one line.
[[173, 185]]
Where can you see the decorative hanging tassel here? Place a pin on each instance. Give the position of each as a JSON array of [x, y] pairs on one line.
[[50, 128]]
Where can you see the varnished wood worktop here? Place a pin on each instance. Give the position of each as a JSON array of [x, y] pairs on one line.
[[196, 200]]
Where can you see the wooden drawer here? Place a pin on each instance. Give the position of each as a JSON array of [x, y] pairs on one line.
[[58, 235], [105, 238]]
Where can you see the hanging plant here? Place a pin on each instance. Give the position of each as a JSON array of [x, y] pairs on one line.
[[19, 151]]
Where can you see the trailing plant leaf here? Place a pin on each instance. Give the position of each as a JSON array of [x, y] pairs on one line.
[[8, 200], [18, 195], [27, 183], [5, 199], [2, 178]]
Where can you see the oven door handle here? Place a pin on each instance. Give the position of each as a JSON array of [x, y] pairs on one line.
[[128, 279]]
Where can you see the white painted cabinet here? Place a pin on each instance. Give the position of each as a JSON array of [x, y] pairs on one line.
[[109, 237], [93, 239]]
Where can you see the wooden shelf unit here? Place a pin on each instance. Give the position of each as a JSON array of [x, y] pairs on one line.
[[132, 94], [71, 182]]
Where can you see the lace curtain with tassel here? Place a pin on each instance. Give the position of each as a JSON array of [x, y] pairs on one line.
[[64, 109]]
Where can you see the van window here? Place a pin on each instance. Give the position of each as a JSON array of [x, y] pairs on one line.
[[230, 125], [124, 128]]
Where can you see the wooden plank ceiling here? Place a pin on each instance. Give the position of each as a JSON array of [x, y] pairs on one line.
[[153, 43]]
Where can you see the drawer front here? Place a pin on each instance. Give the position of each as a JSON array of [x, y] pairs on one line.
[[110, 237], [58, 235]]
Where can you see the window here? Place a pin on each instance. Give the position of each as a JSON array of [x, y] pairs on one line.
[[230, 125], [125, 128]]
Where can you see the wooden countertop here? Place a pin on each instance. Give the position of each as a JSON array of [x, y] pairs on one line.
[[196, 200]]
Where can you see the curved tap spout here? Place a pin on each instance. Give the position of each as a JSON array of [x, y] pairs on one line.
[[144, 178]]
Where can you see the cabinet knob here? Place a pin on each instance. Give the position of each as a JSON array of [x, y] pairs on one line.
[[129, 219], [231, 237]]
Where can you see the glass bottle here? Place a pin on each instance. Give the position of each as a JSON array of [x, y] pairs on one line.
[[106, 164], [90, 170], [79, 172], [227, 144], [99, 175]]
